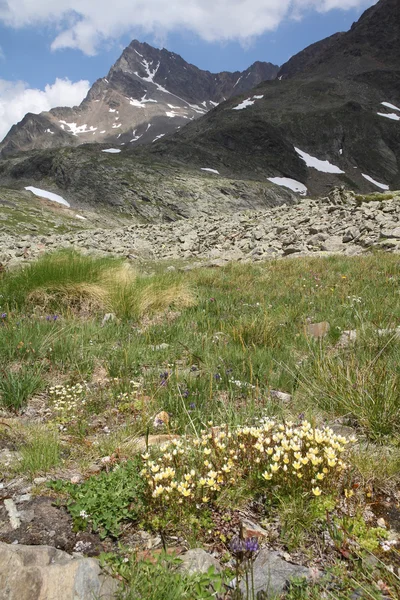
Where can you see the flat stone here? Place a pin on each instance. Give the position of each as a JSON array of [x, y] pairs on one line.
[[317, 330], [253, 530]]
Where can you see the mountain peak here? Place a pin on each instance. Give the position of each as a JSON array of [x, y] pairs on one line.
[[147, 94]]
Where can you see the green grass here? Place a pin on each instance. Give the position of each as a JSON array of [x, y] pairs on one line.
[[231, 335], [40, 453], [72, 282], [17, 388]]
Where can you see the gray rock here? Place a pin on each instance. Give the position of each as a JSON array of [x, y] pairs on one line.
[[13, 513], [198, 561], [351, 234], [272, 573], [391, 233], [281, 396], [45, 573], [347, 338], [333, 244]]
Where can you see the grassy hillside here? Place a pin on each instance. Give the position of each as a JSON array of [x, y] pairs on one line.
[[97, 359]]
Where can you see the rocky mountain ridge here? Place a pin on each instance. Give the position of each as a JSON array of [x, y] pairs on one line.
[[147, 94], [331, 117], [341, 223]]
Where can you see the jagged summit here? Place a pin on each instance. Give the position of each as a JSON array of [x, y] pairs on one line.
[[147, 94]]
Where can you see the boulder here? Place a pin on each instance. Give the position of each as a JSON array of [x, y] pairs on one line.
[[45, 573], [272, 574]]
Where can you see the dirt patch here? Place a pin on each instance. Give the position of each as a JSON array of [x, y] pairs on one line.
[[43, 523]]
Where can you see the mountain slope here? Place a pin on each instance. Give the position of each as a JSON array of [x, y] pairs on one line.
[[337, 101], [147, 94]]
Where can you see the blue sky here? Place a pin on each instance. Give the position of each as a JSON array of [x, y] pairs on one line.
[[39, 48]]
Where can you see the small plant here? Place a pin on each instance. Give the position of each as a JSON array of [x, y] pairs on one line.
[[272, 455], [41, 453], [161, 578], [68, 401], [104, 501], [17, 388], [354, 534], [244, 552]]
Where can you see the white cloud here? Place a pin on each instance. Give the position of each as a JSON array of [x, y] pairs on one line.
[[84, 24], [16, 99]]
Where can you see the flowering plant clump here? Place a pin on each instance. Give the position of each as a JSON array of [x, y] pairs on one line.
[[277, 454], [68, 401]]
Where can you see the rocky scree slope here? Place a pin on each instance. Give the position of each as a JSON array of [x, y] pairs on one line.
[[145, 188], [340, 223], [147, 94], [336, 101]]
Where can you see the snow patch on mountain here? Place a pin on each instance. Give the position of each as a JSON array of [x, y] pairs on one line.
[[389, 105], [244, 104], [210, 170], [392, 116], [383, 186], [320, 165], [292, 184], [77, 129], [247, 102], [48, 195]]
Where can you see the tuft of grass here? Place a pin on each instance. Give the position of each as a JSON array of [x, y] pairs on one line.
[[17, 387], [378, 466], [364, 388], [69, 281], [145, 295], [41, 451]]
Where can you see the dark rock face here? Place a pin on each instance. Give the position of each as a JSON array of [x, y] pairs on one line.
[[338, 100], [147, 94]]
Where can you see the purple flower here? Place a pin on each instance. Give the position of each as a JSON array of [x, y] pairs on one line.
[[185, 394], [237, 545], [192, 406], [251, 545], [217, 377], [3, 315], [244, 548]]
